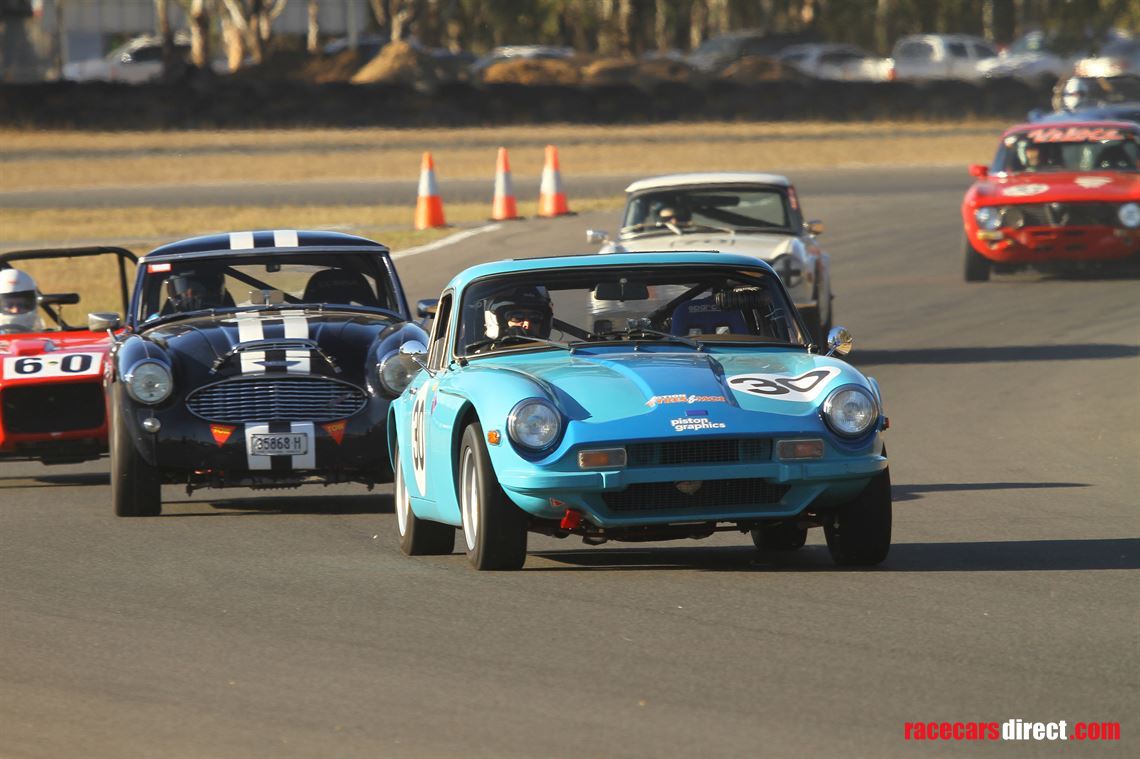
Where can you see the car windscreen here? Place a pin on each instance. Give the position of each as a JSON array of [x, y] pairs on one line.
[[1070, 148], [674, 304], [193, 284], [718, 207]]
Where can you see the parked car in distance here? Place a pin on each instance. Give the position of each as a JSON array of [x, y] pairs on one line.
[[919, 57], [715, 53], [52, 408], [1118, 57], [138, 60], [516, 52], [1031, 58], [1062, 195], [733, 212], [690, 405], [256, 359], [841, 62]]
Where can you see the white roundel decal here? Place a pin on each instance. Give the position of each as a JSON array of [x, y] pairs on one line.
[[1025, 190], [419, 443], [805, 387], [1092, 182]]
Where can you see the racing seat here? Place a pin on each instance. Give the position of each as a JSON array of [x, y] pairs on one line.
[[703, 317], [339, 286]]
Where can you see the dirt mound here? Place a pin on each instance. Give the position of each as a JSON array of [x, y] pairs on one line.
[[758, 68], [333, 68], [533, 71], [398, 63]]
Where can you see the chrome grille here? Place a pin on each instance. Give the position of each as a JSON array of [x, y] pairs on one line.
[[715, 451], [276, 399], [712, 494], [1060, 215]]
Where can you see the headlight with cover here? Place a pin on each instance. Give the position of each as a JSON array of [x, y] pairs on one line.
[[395, 372], [534, 423], [850, 411], [988, 218], [149, 382], [1129, 215]]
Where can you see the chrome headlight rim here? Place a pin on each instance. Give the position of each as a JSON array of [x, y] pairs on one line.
[[388, 385], [829, 405], [515, 415], [133, 373], [988, 218], [1129, 212]]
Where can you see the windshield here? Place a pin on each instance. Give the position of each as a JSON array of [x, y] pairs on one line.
[[685, 305], [1085, 148], [720, 208], [354, 280]]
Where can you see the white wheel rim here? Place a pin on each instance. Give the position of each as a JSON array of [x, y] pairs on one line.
[[469, 498], [403, 500]]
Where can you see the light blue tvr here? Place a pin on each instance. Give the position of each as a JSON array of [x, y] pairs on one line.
[[634, 397]]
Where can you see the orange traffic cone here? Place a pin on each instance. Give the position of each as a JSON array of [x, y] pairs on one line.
[[551, 196], [429, 206], [504, 207]]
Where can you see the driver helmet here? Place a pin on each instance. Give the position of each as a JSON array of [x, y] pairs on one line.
[[678, 214], [1074, 94], [195, 290], [522, 311], [18, 302]]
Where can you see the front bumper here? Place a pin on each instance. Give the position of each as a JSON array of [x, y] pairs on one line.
[[1047, 245]]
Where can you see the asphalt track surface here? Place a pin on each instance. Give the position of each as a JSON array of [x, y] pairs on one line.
[[287, 623]]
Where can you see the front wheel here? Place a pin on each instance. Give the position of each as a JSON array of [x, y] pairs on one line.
[[494, 529], [977, 266], [860, 534], [418, 537], [136, 489]]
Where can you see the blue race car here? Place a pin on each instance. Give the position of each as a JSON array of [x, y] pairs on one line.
[[634, 397]]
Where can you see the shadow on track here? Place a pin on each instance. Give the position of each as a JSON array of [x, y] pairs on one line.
[[377, 503], [982, 355], [996, 556], [56, 480], [915, 492]]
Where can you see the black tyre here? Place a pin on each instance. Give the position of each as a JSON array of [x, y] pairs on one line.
[[136, 489], [977, 266], [494, 529], [860, 534], [418, 537], [780, 537]]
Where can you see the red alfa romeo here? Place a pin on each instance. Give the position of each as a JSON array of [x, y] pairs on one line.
[[1062, 195], [52, 407]]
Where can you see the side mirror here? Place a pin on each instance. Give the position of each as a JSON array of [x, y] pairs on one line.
[[103, 321], [59, 299], [979, 170], [416, 352], [814, 227], [839, 341], [425, 308], [597, 236]]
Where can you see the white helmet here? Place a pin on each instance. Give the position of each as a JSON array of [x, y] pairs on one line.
[[17, 302], [1074, 94]]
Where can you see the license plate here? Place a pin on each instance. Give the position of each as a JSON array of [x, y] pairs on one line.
[[279, 444]]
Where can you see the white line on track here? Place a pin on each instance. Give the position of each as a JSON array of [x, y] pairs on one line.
[[449, 240]]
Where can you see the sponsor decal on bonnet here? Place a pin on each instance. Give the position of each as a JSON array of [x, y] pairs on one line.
[[692, 424], [659, 400], [1092, 183], [1025, 190]]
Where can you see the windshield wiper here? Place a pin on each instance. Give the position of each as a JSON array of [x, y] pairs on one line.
[[633, 332]]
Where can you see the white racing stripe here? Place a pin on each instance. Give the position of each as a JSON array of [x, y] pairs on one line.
[[304, 461], [241, 240], [250, 328], [297, 328], [285, 238]]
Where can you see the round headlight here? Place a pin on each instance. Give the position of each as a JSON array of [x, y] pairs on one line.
[[988, 218], [396, 372], [534, 423], [1129, 215], [850, 411], [149, 382]]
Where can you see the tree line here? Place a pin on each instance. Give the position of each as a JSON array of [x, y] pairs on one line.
[[636, 27]]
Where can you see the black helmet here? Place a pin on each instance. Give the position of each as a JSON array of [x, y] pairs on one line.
[[194, 290], [527, 304]]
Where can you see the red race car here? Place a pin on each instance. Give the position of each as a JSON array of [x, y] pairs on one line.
[[52, 407], [1058, 196]]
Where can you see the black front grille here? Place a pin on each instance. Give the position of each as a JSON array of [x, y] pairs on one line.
[[277, 399], [715, 451], [31, 409], [1060, 215], [712, 494]]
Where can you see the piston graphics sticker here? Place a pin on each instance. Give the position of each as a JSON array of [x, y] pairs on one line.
[[693, 424], [1025, 190], [782, 387]]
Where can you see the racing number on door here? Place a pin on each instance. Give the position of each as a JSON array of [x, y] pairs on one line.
[[419, 442]]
